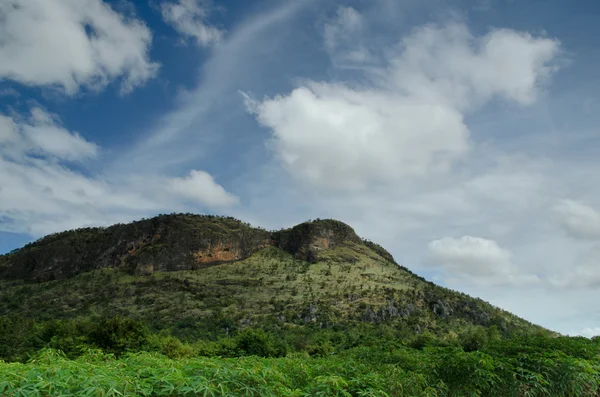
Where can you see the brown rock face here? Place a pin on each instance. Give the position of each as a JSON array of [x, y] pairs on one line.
[[218, 253], [221, 252]]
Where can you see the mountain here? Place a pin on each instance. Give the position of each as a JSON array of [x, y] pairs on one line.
[[186, 270]]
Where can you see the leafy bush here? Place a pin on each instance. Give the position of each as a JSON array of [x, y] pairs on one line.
[[381, 370], [259, 343], [118, 335], [170, 346]]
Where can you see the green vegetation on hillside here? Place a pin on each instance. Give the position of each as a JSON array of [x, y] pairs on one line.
[[350, 283], [21, 338]]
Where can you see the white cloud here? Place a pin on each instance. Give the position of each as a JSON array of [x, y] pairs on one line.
[[477, 259], [589, 332], [347, 20], [337, 138], [42, 135], [582, 223], [8, 130], [41, 194], [450, 65], [584, 274], [69, 44], [200, 186], [46, 136], [578, 220], [513, 187], [188, 17], [470, 255], [343, 38], [410, 121]]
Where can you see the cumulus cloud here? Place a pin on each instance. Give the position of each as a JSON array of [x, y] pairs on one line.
[[450, 65], [578, 220], [337, 138], [69, 44], [188, 17], [201, 187], [410, 120], [477, 259], [41, 192], [42, 135]]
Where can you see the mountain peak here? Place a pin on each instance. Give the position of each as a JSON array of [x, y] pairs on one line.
[[317, 272], [307, 239], [168, 243]]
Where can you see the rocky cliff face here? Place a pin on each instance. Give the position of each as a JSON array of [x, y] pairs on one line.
[[169, 243], [161, 244], [306, 240]]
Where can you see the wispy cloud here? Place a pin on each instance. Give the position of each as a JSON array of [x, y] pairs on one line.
[[180, 135], [580, 221], [189, 18], [344, 36]]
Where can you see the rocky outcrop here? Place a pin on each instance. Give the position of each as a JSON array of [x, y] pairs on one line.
[[169, 243], [161, 244], [388, 312], [306, 240]]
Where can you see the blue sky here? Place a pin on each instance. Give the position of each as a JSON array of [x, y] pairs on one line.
[[460, 135]]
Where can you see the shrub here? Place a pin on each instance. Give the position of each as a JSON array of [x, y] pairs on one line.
[[118, 335], [259, 343]]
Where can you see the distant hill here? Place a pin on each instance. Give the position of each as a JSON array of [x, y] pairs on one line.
[[176, 270]]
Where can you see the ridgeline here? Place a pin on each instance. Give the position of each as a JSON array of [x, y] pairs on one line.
[[186, 270]]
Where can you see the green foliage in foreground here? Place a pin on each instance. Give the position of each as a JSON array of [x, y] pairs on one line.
[[118, 356], [523, 367]]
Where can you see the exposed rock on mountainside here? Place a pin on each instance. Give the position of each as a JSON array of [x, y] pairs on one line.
[[162, 244], [306, 240]]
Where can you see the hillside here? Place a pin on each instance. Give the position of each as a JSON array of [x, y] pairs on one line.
[[191, 271]]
